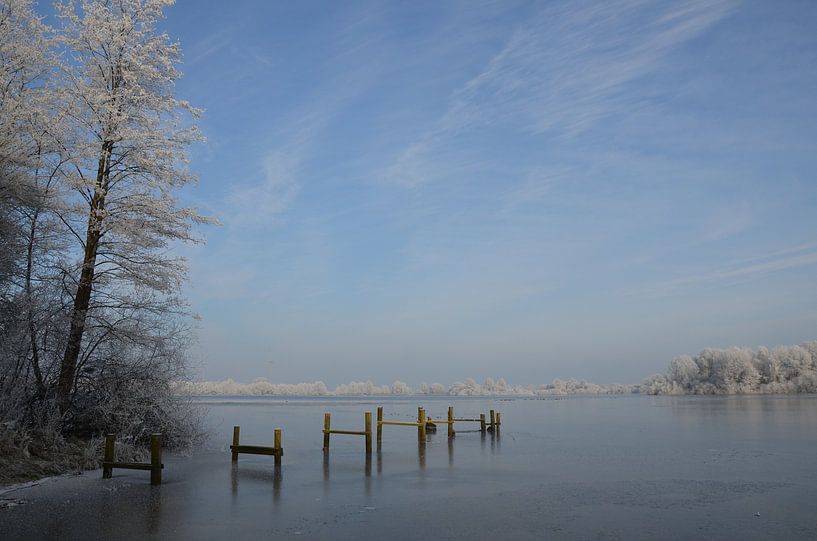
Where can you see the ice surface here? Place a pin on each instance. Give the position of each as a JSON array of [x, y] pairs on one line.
[[628, 467]]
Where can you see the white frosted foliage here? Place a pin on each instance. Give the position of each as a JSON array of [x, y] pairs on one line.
[[783, 370]]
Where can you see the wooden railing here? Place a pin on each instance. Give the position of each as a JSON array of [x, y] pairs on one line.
[[276, 451], [154, 466], [366, 432]]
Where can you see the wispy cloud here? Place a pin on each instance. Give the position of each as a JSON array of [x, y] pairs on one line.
[[728, 221], [536, 184], [793, 257], [260, 203], [203, 49], [560, 72]]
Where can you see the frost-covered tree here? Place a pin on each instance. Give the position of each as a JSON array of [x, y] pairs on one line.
[[786, 369], [126, 157], [31, 129], [92, 150], [21, 67]]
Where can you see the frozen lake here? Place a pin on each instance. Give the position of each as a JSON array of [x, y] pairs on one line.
[[575, 468]]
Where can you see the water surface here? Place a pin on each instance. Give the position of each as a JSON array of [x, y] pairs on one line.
[[630, 467]]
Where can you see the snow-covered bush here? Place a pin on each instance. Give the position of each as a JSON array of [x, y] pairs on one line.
[[786, 369]]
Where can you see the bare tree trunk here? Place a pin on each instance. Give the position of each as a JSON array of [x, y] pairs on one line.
[[82, 300], [32, 328]]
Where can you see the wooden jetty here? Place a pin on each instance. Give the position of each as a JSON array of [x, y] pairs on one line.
[[154, 466], [366, 432], [276, 451]]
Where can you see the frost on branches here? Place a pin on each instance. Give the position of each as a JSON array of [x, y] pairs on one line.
[[127, 156], [783, 370], [93, 145]]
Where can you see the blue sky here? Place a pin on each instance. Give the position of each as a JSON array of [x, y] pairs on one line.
[[429, 191]]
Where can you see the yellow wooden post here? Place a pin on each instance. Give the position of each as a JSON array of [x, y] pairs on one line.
[[482, 422], [498, 421], [421, 424], [450, 421], [368, 430], [277, 446], [379, 426], [110, 442], [155, 459], [493, 420], [236, 436], [326, 428]]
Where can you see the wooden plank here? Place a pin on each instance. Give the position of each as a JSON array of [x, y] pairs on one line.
[[156, 459], [146, 466], [279, 451], [348, 432], [110, 442], [398, 423], [468, 420], [367, 425], [379, 426], [257, 450], [236, 437]]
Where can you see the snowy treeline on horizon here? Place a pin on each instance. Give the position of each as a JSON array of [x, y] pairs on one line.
[[491, 387], [783, 370]]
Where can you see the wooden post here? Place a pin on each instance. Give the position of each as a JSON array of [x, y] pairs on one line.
[[493, 420], [277, 447], [368, 429], [326, 428], [482, 422], [236, 436], [155, 459], [450, 421], [498, 421], [107, 469], [379, 426], [421, 424]]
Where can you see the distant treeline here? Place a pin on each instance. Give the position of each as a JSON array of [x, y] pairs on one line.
[[783, 370], [491, 387]]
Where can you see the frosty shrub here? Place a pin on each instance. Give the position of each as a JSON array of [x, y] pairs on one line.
[[786, 369]]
